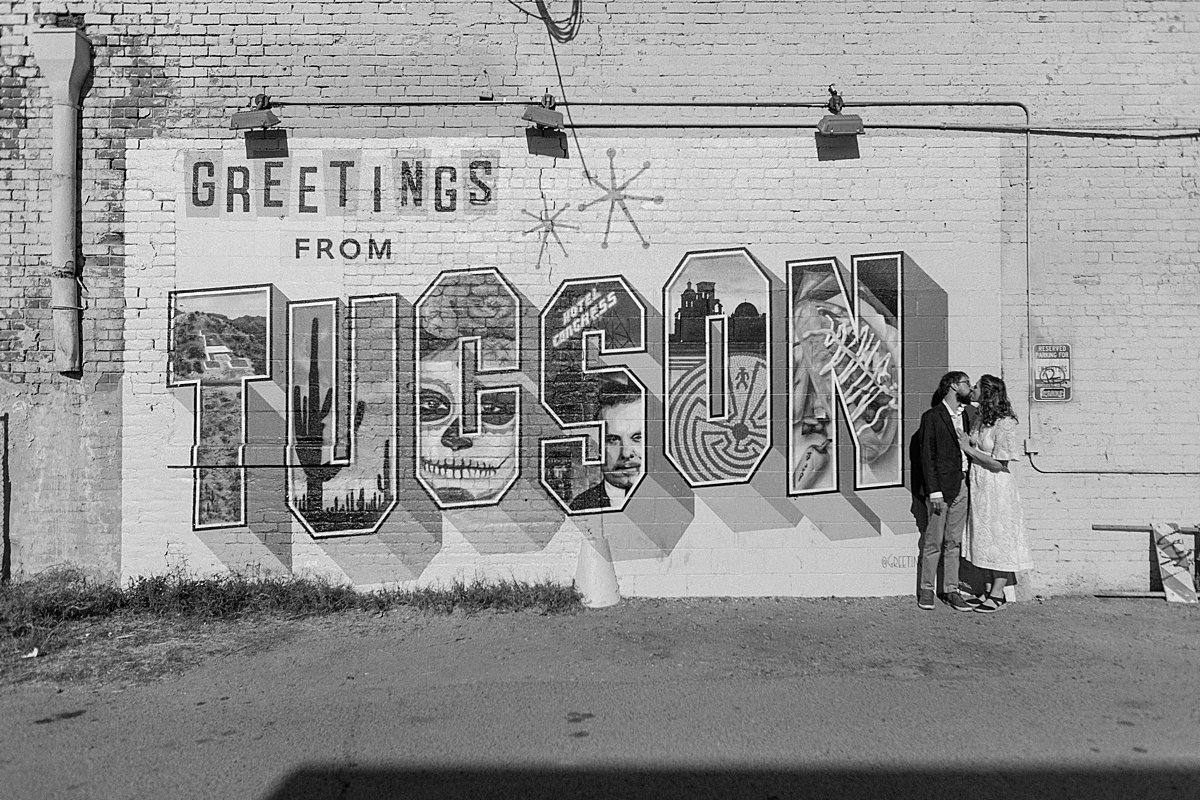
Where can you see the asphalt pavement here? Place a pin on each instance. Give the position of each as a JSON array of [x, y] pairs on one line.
[[1066, 698]]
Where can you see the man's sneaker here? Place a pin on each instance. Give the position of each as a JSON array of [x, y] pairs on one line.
[[956, 601], [925, 599]]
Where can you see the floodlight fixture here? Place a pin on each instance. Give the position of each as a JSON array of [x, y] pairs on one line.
[[259, 115], [544, 115], [840, 125], [835, 123], [546, 136]]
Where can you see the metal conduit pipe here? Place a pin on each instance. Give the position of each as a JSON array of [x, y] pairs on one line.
[[65, 58], [1028, 130]]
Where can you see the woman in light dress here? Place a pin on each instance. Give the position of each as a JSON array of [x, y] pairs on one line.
[[995, 538]]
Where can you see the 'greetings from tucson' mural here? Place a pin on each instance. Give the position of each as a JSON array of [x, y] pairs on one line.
[[473, 366], [374, 346]]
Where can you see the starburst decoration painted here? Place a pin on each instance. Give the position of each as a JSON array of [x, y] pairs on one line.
[[548, 225], [616, 196]]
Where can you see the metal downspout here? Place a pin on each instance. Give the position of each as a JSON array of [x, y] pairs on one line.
[[65, 58]]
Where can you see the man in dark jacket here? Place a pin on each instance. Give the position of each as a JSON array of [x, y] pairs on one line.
[[943, 469]]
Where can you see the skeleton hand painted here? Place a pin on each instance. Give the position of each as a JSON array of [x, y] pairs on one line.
[[812, 437], [861, 358]]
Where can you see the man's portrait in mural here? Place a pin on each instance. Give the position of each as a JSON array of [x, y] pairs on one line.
[[834, 348], [466, 438], [622, 411], [586, 323]]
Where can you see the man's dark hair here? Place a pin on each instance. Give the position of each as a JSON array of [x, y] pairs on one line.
[[948, 380], [616, 393]]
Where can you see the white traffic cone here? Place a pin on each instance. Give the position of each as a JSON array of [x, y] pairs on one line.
[[595, 575]]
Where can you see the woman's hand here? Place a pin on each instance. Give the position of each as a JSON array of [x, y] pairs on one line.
[[965, 441]]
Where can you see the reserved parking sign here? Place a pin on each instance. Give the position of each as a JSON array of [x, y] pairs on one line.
[[1052, 372]]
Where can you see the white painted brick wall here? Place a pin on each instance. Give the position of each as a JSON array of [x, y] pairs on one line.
[[1113, 237]]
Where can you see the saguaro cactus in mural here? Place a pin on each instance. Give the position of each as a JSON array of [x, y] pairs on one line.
[[383, 481], [308, 423]]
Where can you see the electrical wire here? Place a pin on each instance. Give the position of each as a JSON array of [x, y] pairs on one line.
[[561, 31], [1178, 473], [949, 127], [523, 10], [562, 88], [566, 35], [1143, 529]]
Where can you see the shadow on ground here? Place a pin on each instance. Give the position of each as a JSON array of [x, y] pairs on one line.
[[619, 784]]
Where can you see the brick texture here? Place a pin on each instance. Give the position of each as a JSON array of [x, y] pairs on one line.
[[1112, 235]]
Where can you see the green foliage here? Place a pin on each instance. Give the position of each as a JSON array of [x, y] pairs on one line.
[[245, 337], [504, 595], [67, 594], [55, 596], [221, 431]]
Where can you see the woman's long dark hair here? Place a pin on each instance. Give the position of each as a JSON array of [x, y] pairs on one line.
[[993, 401]]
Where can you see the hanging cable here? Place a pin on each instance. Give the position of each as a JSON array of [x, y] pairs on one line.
[[562, 30]]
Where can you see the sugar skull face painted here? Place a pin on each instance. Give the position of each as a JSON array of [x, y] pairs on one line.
[[462, 467], [467, 447]]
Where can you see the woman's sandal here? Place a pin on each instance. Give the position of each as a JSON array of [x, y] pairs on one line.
[[973, 600], [991, 605]]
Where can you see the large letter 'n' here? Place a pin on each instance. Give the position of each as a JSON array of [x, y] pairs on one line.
[[846, 334]]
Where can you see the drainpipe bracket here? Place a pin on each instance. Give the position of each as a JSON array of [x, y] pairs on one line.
[[64, 56], [66, 290]]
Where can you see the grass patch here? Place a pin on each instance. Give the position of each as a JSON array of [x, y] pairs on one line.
[[64, 628], [66, 594]]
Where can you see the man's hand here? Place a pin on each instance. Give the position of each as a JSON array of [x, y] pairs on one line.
[[937, 505]]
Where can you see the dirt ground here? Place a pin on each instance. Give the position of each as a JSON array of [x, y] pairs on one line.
[[1066, 697], [702, 638], [113, 653]]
